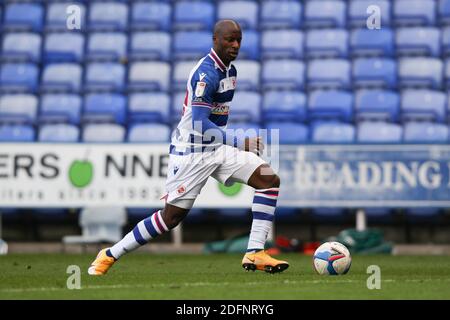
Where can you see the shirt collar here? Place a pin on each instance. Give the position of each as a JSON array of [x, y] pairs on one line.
[[217, 60]]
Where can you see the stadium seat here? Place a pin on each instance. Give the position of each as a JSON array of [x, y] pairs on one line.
[[151, 16], [56, 18], [61, 77], [191, 45], [414, 12], [281, 14], [424, 105], [108, 16], [61, 132], [177, 106], [108, 76], [149, 107], [246, 106], [250, 46], [447, 73], [105, 107], [329, 74], [289, 132], [330, 105], [282, 75], [153, 76], [248, 74], [327, 43], [104, 132], [418, 41], [332, 132], [149, 132], [425, 132], [23, 17], [420, 72], [109, 46], [60, 108], [181, 73], [325, 14], [16, 133], [284, 106], [64, 47], [189, 15], [377, 105], [282, 44], [358, 12], [21, 47], [19, 77], [379, 132], [369, 43], [151, 46], [244, 12], [444, 12], [374, 73], [18, 108], [445, 48]]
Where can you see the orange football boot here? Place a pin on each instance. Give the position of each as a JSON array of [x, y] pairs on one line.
[[262, 261]]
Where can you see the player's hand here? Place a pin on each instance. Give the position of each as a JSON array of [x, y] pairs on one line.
[[254, 145]]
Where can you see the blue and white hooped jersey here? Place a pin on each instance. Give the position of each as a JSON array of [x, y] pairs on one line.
[[210, 85]]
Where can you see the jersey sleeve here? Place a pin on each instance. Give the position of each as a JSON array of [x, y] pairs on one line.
[[204, 86]]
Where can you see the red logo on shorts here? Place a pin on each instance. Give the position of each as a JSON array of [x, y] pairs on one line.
[[181, 190]]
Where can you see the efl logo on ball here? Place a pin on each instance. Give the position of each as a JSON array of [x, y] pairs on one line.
[[332, 258]]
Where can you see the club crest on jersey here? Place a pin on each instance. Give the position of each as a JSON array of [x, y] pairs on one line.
[[200, 89]]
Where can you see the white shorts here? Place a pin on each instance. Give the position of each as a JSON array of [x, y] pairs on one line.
[[187, 174]]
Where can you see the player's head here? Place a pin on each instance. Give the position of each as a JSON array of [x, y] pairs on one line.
[[227, 40]]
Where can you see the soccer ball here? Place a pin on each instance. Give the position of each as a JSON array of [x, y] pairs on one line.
[[332, 258]]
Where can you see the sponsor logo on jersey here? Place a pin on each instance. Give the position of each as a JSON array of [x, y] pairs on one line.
[[220, 109], [202, 76]]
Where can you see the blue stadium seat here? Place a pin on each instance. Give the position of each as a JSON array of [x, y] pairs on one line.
[[368, 43], [105, 107], [149, 132], [420, 72], [21, 47], [444, 12], [250, 46], [16, 133], [61, 132], [189, 15], [191, 45], [56, 16], [181, 73], [61, 77], [329, 73], [246, 106], [177, 102], [358, 15], [108, 46], [149, 107], [18, 108], [282, 75], [374, 73], [244, 12], [151, 46], [64, 47], [151, 16], [418, 41], [104, 132], [60, 108], [19, 77], [447, 73], [425, 132], [325, 14], [289, 132], [377, 105], [282, 44], [108, 76], [281, 14], [330, 105], [248, 74], [153, 76], [445, 48], [23, 17], [379, 132], [333, 132], [327, 43], [424, 105], [284, 106], [108, 16], [414, 12]]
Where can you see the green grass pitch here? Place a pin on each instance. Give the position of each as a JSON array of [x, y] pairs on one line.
[[220, 277]]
